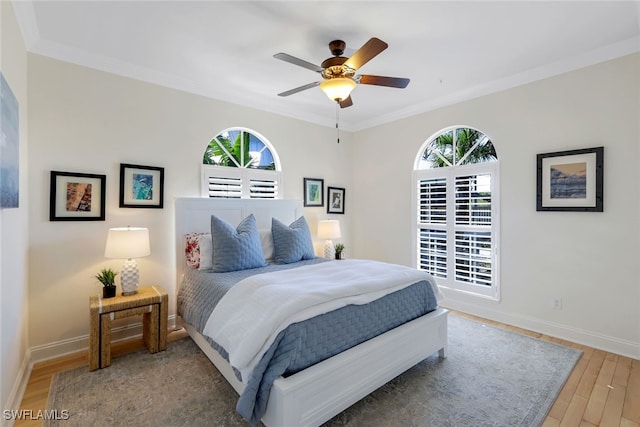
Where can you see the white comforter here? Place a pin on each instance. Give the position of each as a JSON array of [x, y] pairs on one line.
[[252, 313]]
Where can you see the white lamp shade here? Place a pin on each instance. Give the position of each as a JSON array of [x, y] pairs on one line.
[[127, 243], [339, 88], [329, 229]]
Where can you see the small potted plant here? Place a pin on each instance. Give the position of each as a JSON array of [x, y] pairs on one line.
[[339, 250], [108, 279]]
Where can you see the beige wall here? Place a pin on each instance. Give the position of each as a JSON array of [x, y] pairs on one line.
[[13, 228], [89, 121], [587, 259]]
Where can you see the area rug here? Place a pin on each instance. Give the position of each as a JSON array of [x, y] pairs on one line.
[[491, 377]]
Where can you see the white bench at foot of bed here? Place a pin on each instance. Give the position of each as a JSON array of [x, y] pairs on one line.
[[318, 393]]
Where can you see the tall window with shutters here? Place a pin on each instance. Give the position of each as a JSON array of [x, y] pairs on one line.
[[456, 211], [240, 163]]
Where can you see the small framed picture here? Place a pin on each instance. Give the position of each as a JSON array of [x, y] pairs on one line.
[[141, 186], [313, 192], [570, 180], [77, 197], [335, 200]]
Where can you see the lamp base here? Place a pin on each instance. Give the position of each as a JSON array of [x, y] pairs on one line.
[[329, 249], [129, 277]]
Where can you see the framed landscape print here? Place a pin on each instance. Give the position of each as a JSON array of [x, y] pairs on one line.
[[570, 180], [313, 192], [141, 186], [335, 200], [77, 197]]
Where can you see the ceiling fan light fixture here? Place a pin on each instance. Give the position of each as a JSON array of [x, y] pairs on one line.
[[338, 88]]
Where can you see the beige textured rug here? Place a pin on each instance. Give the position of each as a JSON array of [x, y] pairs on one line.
[[491, 377]]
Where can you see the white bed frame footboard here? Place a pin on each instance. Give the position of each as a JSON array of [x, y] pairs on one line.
[[318, 393]]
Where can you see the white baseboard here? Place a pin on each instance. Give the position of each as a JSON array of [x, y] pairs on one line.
[[580, 336], [20, 385], [55, 349]]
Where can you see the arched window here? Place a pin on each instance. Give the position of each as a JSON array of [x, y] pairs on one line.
[[456, 210], [240, 163]]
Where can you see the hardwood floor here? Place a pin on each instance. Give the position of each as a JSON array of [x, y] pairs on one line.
[[602, 390]]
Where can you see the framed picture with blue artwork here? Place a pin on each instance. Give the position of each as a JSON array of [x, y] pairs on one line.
[[313, 192], [571, 180], [141, 186]]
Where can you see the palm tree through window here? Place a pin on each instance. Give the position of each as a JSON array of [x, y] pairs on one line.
[[459, 146]]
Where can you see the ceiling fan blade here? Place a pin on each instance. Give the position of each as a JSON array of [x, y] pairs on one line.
[[297, 61], [397, 82], [363, 55], [347, 102], [299, 89]]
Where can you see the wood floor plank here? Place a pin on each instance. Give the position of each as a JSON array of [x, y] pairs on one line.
[[628, 423], [595, 406], [622, 372], [561, 404], [550, 422], [605, 376], [612, 414], [631, 411], [591, 374], [601, 388], [573, 416]]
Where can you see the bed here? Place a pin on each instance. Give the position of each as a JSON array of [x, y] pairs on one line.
[[316, 393]]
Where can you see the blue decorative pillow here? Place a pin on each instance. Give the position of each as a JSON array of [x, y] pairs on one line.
[[291, 243], [236, 249]]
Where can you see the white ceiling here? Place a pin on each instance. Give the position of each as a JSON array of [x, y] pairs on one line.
[[451, 50]]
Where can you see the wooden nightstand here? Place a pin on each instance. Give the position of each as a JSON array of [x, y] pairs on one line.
[[150, 301]]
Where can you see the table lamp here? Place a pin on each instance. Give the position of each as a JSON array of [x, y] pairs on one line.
[[128, 243], [329, 229]]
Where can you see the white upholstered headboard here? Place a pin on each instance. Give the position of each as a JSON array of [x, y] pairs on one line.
[[194, 215]]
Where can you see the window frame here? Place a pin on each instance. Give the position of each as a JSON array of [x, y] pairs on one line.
[[449, 173], [243, 175]]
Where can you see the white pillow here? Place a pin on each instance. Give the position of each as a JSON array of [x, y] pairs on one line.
[[266, 238], [206, 252]]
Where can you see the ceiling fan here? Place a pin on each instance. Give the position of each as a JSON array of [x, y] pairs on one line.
[[339, 73]]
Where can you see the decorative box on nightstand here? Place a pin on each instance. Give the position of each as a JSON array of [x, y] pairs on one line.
[[150, 301]]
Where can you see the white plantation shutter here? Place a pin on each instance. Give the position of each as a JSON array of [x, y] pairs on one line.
[[433, 252], [263, 189], [263, 184], [224, 187], [457, 226], [473, 257], [473, 242], [432, 194], [432, 219], [229, 182], [473, 200]]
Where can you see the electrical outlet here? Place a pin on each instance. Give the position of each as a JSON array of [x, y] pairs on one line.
[[556, 303]]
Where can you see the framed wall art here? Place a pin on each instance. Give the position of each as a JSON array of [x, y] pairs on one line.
[[141, 186], [335, 200], [313, 192], [570, 180], [77, 197]]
